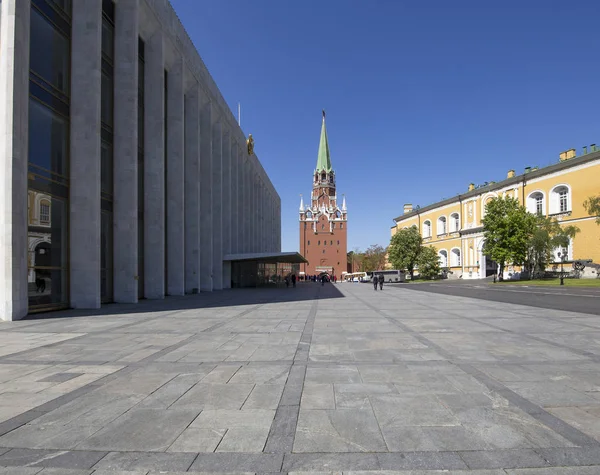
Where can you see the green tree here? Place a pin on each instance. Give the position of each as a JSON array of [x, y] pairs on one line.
[[592, 206], [428, 262], [374, 257], [507, 228], [405, 247], [546, 237]]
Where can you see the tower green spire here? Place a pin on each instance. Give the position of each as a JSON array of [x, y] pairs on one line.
[[324, 159]]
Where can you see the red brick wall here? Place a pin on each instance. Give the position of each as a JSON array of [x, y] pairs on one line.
[[317, 252]]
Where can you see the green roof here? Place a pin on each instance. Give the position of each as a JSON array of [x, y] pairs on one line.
[[324, 159]]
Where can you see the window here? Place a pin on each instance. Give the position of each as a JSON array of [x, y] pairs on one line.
[[441, 225], [319, 243], [309, 243], [324, 243], [455, 258], [562, 199], [44, 212], [331, 243], [338, 243], [322, 226], [443, 255], [49, 52], [427, 229], [341, 225], [536, 203], [454, 222]]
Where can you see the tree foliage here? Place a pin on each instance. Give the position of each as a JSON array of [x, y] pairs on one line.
[[374, 257], [428, 262], [507, 229], [404, 249], [592, 206], [547, 236]]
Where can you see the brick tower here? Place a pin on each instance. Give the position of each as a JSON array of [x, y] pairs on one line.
[[323, 224]]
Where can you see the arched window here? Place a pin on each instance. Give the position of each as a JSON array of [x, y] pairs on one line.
[[441, 225], [443, 255], [322, 226], [308, 215], [455, 260], [44, 212], [454, 222], [560, 199], [536, 203], [323, 176], [341, 225], [427, 229], [319, 243], [308, 243]]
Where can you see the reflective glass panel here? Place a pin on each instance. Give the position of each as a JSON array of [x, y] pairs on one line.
[[48, 133], [49, 52], [47, 259]]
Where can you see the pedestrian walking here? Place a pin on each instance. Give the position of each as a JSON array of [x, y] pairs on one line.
[[381, 279], [293, 280], [375, 281]]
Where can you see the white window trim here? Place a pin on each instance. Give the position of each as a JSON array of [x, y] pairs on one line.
[[454, 229], [438, 225], [555, 200], [452, 253], [440, 255], [427, 235], [532, 205]]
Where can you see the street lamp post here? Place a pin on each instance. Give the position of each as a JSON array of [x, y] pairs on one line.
[[562, 256]]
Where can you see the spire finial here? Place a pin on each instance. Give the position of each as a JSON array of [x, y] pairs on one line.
[[301, 203], [324, 159]]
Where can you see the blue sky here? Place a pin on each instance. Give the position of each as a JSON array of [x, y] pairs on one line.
[[422, 97]]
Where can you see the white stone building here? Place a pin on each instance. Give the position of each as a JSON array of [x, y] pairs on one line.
[[118, 154]]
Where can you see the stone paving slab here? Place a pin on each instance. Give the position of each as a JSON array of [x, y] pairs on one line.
[[332, 379]]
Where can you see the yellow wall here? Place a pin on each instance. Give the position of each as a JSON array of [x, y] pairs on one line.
[[583, 181]]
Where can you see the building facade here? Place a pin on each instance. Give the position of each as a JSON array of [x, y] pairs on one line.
[[323, 224], [123, 172], [454, 226]]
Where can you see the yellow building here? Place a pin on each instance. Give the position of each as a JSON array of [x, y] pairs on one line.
[[453, 226]]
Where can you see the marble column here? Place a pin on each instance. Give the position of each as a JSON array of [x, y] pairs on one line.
[[217, 205], [14, 117], [226, 214], [84, 189], [206, 235], [249, 204], [175, 180], [235, 192], [192, 190], [154, 169], [243, 233], [255, 215], [125, 203], [246, 204]]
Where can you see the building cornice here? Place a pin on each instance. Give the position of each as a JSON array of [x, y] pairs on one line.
[[507, 183]]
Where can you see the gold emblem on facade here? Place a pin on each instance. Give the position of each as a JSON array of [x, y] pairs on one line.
[[250, 144]]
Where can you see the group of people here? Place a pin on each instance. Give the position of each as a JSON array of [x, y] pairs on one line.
[[378, 280], [319, 278], [291, 278]]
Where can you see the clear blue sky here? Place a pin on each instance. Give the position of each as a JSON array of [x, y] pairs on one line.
[[422, 97]]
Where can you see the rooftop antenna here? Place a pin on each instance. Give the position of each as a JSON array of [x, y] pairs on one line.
[[239, 114]]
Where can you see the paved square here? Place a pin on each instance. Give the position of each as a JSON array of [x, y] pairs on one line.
[[316, 379]]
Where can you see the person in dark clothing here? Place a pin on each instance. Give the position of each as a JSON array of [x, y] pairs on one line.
[[375, 281], [381, 279], [293, 280]]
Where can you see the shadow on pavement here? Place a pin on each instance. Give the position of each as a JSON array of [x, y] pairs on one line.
[[221, 298]]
